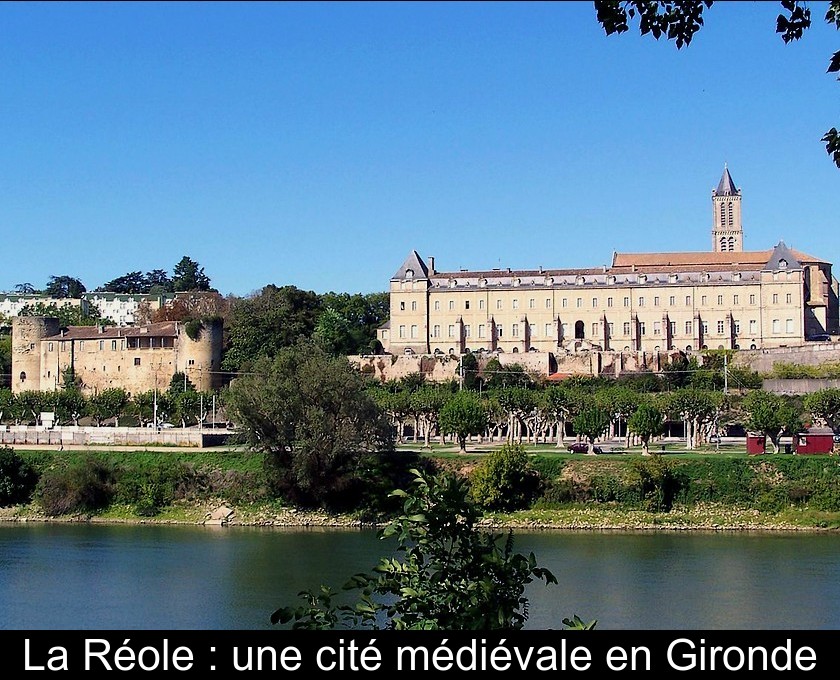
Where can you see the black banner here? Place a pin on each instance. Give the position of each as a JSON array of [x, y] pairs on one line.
[[307, 652]]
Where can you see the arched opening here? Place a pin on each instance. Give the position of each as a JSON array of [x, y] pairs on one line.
[[23, 376], [688, 348], [731, 242], [753, 346], [515, 350], [578, 330]]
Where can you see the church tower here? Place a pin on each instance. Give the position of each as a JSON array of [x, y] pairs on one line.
[[727, 232]]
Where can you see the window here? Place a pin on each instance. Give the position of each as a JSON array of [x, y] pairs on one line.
[[466, 304], [702, 300], [113, 345], [777, 326], [610, 329], [672, 328], [641, 327], [499, 331], [657, 328], [481, 329], [656, 301], [788, 325], [564, 329], [564, 302], [788, 298], [752, 299], [753, 326], [467, 331], [595, 330], [548, 303], [734, 299], [413, 331], [451, 305], [688, 301], [548, 330], [532, 329], [481, 304], [579, 302], [627, 302], [436, 331], [672, 301], [63, 346], [451, 330], [609, 302], [81, 345], [49, 347], [704, 327], [736, 326], [775, 298], [437, 305], [720, 299], [532, 303], [498, 304], [136, 361], [514, 330], [720, 327], [594, 302], [402, 306], [626, 328], [641, 302], [413, 305], [688, 330], [515, 303], [402, 331]]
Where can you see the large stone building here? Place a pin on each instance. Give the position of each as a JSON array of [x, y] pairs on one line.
[[136, 359], [649, 302]]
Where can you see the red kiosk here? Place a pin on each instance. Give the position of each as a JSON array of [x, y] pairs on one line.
[[755, 443], [814, 440]]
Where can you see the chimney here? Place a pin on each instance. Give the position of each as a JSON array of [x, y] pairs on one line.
[[431, 264]]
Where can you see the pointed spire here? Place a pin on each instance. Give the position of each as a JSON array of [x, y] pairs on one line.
[[412, 268], [726, 185]]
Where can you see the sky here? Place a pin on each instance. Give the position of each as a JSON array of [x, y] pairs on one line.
[[317, 144]]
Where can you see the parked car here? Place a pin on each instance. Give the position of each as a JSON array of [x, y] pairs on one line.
[[581, 447], [820, 337]]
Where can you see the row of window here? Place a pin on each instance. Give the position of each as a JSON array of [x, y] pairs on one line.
[[133, 343], [579, 302], [597, 327]]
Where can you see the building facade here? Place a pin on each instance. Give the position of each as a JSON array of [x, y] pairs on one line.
[[137, 359], [652, 302]]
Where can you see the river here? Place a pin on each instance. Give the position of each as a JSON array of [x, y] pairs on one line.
[[98, 577]]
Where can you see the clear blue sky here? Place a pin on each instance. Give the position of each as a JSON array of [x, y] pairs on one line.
[[317, 144]]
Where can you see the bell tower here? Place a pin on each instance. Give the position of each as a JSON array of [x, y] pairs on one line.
[[727, 232]]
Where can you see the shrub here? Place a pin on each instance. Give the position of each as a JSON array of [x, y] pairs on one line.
[[658, 482], [504, 480], [83, 487], [17, 478]]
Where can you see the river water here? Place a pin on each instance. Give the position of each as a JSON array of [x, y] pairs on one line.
[[98, 577]]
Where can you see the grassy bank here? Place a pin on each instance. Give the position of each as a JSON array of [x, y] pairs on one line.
[[677, 491]]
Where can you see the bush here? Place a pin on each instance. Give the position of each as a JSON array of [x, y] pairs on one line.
[[504, 480], [83, 487], [658, 482], [17, 478]]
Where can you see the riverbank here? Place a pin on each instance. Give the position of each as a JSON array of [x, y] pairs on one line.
[[707, 517]]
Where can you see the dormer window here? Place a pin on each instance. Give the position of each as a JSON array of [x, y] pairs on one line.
[[642, 278], [782, 264], [452, 283], [516, 282], [579, 281], [673, 278], [611, 280], [736, 276], [482, 283], [409, 273]]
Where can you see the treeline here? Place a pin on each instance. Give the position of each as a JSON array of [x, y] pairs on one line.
[[180, 402]]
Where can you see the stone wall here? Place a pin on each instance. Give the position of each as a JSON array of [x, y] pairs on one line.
[[812, 354], [798, 385], [116, 436]]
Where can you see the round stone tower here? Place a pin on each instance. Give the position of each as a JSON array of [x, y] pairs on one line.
[[27, 333], [200, 353]]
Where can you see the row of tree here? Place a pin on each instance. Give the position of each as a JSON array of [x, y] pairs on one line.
[[187, 275], [180, 403]]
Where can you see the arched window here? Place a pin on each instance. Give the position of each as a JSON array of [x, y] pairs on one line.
[[409, 273], [731, 218], [23, 376], [731, 241], [515, 350], [579, 330], [723, 243]]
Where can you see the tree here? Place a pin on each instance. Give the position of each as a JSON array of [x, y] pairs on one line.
[[591, 423], [771, 415], [67, 315], [679, 21], [322, 434], [646, 421], [334, 333], [268, 321], [452, 575], [5, 357], [109, 403], [364, 314], [17, 478], [70, 405], [825, 405], [133, 282], [188, 276], [462, 416], [24, 289], [64, 287], [180, 383]]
